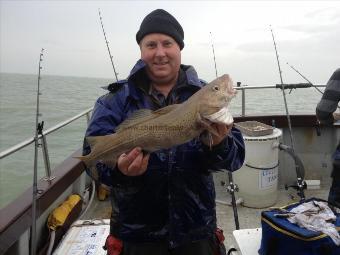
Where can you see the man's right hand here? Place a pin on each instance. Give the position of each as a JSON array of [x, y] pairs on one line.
[[134, 163]]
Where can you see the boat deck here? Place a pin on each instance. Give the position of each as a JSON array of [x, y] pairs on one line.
[[249, 218]]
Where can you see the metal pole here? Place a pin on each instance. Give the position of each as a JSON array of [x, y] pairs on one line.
[[46, 158], [238, 84], [88, 117], [231, 189]]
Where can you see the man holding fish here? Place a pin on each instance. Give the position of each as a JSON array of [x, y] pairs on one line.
[[155, 140]]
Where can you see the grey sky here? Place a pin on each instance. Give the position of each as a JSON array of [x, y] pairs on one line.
[[307, 35]]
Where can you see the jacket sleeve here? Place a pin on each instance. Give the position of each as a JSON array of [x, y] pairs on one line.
[[228, 155], [329, 100]]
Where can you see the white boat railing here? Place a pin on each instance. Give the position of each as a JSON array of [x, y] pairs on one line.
[[87, 112], [243, 88], [42, 138]]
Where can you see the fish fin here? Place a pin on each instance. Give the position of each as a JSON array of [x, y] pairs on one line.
[[144, 115], [141, 114], [210, 141], [110, 162], [93, 140], [207, 139], [207, 126], [166, 109], [137, 117], [84, 159]]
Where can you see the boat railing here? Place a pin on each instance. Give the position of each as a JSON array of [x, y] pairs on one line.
[[243, 88], [87, 112], [43, 143]]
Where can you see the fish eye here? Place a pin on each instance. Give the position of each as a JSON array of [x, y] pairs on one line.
[[216, 88]]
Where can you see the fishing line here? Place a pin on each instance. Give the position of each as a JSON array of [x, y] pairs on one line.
[[38, 128], [300, 182], [107, 44]]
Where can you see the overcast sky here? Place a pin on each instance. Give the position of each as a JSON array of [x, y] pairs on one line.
[[307, 34]]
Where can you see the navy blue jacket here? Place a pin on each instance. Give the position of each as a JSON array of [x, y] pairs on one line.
[[174, 200]]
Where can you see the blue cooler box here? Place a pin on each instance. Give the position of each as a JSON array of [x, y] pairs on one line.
[[281, 237]]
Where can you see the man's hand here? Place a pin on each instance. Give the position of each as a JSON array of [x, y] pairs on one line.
[[222, 129], [336, 116], [134, 163]]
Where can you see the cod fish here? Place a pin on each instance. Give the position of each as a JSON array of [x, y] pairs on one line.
[[169, 126]]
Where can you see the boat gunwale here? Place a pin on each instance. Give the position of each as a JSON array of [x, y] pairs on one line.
[[15, 218]]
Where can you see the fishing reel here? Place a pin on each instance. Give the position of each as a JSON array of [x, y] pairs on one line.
[[300, 186], [231, 187]]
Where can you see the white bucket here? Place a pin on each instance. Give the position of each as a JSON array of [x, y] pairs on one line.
[[257, 179]]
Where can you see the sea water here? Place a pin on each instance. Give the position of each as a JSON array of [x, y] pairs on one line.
[[64, 97]]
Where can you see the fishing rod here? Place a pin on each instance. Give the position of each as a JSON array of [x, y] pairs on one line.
[[107, 44], [232, 187], [213, 50], [300, 176], [38, 129]]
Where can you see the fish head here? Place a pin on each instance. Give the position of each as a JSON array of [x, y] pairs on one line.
[[215, 98]]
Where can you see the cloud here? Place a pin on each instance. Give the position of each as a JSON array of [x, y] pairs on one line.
[[328, 13], [314, 28]]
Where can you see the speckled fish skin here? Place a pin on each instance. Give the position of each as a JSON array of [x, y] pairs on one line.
[[166, 127]]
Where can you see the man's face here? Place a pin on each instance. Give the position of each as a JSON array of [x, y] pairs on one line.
[[162, 55]]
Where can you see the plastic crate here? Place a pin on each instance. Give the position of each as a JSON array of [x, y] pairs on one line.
[[85, 237], [254, 128]]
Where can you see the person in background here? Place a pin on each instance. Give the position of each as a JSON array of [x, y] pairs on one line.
[[163, 202], [325, 113]]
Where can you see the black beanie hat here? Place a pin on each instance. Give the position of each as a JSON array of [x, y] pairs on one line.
[[160, 21]]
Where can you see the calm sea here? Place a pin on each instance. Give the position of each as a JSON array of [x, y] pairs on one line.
[[63, 97]]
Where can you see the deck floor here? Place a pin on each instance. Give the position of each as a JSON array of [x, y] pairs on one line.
[[248, 217]]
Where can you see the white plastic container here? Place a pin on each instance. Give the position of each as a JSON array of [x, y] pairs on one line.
[[85, 237], [257, 179]]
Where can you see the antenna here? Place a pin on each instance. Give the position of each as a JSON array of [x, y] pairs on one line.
[[300, 182], [213, 50], [38, 129], [107, 44]]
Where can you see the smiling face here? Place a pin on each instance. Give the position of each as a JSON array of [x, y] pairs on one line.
[[162, 56]]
